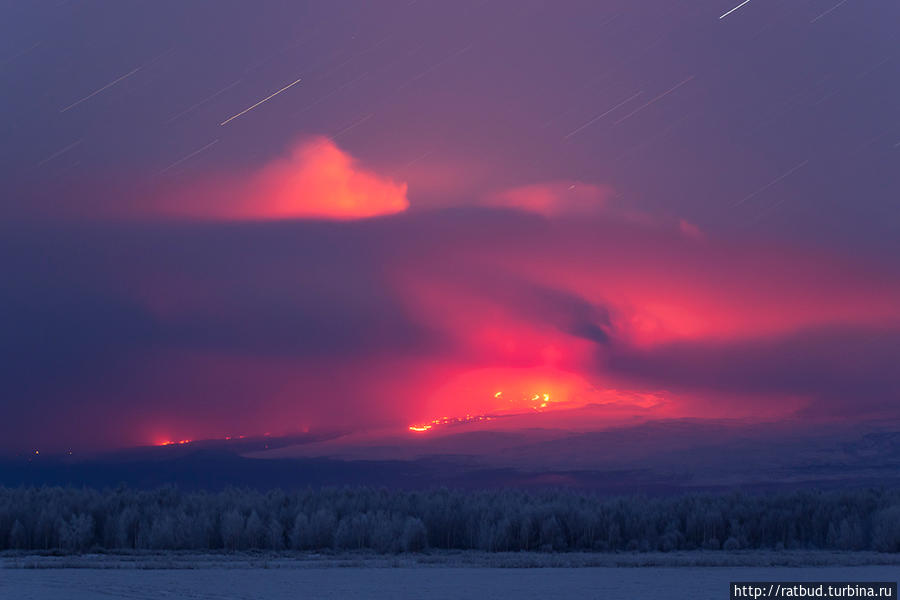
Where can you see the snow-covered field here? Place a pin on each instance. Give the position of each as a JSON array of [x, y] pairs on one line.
[[287, 559], [515, 575], [405, 582]]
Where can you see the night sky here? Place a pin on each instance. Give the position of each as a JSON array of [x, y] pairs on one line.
[[229, 218]]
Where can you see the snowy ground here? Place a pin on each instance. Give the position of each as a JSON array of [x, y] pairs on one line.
[[405, 582], [171, 560]]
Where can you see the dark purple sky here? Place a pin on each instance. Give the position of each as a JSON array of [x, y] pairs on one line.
[[584, 196]]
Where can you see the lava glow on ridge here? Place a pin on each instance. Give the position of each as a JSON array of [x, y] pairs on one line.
[[171, 443], [451, 421], [536, 402]]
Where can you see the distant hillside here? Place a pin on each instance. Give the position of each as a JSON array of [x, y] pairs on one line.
[[659, 457]]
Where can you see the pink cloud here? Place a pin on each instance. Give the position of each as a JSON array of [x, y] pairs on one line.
[[689, 229], [556, 198]]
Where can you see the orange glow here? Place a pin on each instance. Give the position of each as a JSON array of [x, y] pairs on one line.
[[315, 180], [226, 438], [451, 421], [171, 443]]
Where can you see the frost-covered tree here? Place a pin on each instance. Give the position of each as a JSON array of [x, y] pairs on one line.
[[77, 533], [301, 535], [254, 531], [274, 535], [232, 530], [18, 537], [414, 537], [886, 534], [396, 520], [322, 528]]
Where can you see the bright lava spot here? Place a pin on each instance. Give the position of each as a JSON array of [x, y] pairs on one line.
[[171, 443]]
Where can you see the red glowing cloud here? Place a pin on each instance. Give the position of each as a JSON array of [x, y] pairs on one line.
[[316, 180], [213, 329]]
